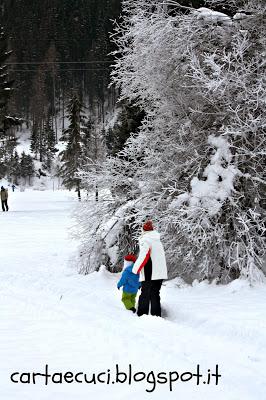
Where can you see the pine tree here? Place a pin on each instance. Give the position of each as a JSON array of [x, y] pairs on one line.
[[39, 110], [26, 166], [15, 168], [5, 85], [72, 156], [71, 30], [33, 140], [87, 137], [128, 122], [49, 144], [7, 139], [38, 141], [93, 150]]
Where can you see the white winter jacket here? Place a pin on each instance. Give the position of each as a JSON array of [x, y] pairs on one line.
[[151, 263]]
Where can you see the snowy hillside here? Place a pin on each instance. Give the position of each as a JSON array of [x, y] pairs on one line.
[[52, 316]]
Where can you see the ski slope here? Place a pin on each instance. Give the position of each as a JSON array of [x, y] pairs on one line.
[[76, 324]]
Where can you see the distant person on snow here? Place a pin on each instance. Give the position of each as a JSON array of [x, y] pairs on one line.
[[130, 283], [13, 187], [4, 197], [151, 265]]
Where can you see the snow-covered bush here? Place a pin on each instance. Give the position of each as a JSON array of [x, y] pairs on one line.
[[103, 228], [196, 166]]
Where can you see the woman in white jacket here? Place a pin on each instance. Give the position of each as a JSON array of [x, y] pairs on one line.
[[151, 265]]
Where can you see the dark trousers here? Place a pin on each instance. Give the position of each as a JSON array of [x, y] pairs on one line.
[[150, 298], [4, 205]]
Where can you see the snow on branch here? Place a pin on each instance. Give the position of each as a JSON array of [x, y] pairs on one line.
[[196, 164]]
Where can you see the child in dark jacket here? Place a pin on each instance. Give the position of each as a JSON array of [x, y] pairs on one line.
[[130, 283]]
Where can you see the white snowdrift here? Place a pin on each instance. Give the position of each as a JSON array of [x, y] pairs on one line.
[[51, 315]]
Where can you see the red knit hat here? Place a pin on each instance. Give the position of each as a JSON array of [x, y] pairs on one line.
[[147, 226], [130, 257]]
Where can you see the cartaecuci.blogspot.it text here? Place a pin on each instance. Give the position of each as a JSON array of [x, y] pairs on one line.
[[119, 375]]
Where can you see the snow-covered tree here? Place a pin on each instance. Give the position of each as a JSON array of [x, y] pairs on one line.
[[196, 165]]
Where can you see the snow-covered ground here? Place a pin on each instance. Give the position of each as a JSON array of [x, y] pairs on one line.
[[52, 316]]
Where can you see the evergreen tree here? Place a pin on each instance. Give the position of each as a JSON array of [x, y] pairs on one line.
[[87, 136], [49, 144], [7, 139], [34, 141], [38, 141], [15, 168], [73, 136], [128, 122], [58, 32], [93, 151], [26, 166]]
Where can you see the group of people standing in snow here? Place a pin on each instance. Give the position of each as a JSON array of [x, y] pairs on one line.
[[4, 198], [147, 271]]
